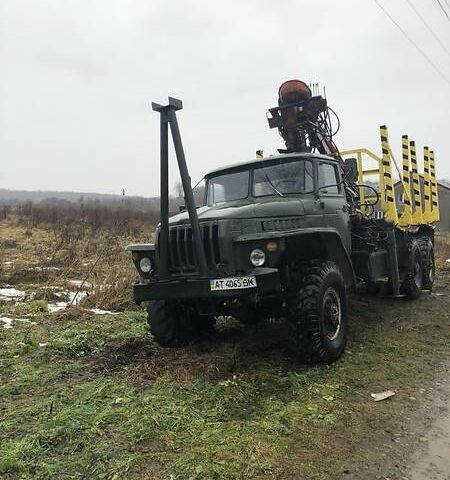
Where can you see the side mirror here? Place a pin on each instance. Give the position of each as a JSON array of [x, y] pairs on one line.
[[182, 208], [351, 170]]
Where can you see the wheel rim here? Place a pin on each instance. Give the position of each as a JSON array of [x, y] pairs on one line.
[[431, 270], [332, 313], [418, 273]]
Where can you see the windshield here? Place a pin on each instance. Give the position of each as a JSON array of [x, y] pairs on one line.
[[228, 187], [284, 178], [280, 178]]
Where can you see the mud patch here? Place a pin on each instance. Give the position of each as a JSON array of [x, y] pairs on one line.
[[218, 356], [64, 313], [433, 463]]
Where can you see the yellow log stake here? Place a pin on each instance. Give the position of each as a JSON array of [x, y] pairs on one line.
[[406, 217], [434, 190], [413, 213], [360, 177], [427, 215], [416, 190], [390, 205]]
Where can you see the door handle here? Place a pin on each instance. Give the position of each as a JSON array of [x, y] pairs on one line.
[[320, 203]]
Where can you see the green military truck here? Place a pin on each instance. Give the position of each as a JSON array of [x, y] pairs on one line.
[[289, 235]]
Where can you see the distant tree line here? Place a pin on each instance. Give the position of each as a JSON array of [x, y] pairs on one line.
[[92, 216], [5, 211]]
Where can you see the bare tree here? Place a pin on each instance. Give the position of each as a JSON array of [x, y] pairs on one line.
[[178, 190]]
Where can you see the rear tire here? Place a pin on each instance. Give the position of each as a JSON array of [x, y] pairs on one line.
[[174, 324], [413, 276], [318, 314], [428, 267]]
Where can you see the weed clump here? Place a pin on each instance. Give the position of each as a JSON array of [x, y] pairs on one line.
[[32, 308]]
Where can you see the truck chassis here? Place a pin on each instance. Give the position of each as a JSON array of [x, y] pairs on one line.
[[301, 255]]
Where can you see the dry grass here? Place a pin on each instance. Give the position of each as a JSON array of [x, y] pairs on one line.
[[112, 287], [442, 250], [124, 217], [45, 259]]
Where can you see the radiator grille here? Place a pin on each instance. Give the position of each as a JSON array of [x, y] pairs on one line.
[[182, 257]]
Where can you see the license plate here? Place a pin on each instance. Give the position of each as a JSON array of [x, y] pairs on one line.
[[232, 283]]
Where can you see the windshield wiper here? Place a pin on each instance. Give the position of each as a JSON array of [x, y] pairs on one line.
[[269, 181]]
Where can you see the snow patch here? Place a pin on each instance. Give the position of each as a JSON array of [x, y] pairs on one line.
[[99, 311], [56, 307], [74, 299], [79, 283], [10, 293], [44, 269], [8, 322], [25, 320]]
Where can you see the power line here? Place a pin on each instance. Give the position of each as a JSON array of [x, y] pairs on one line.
[[428, 27], [424, 55], [443, 9]]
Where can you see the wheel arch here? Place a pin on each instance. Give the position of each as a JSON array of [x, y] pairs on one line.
[[426, 231], [323, 245]]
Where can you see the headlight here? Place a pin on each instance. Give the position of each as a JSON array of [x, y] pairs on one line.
[[257, 257], [145, 264]]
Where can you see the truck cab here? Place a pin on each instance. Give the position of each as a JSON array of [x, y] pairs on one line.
[[250, 204]]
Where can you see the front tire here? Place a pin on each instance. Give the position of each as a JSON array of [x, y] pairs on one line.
[[246, 314], [174, 324], [318, 314]]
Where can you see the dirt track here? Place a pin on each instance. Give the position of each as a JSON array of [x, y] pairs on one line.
[[417, 444], [432, 462]]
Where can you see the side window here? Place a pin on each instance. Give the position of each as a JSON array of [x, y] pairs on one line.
[[329, 178], [309, 176], [199, 193], [228, 187]]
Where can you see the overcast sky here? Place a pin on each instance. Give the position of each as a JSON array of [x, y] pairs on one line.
[[77, 79]]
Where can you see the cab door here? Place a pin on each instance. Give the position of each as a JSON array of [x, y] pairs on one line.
[[331, 200]]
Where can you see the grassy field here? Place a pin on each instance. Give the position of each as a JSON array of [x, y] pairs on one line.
[[85, 395]]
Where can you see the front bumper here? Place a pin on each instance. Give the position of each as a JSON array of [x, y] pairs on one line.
[[267, 281]]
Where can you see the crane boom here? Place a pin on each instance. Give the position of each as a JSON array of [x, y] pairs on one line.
[[302, 120]]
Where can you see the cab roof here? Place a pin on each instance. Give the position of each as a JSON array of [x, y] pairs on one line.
[[258, 161]]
